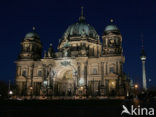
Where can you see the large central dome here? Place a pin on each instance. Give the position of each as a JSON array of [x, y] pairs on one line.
[[81, 28]]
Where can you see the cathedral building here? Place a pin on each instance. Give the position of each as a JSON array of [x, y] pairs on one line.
[[82, 66]]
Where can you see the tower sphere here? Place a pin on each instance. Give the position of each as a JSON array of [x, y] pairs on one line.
[[143, 55]]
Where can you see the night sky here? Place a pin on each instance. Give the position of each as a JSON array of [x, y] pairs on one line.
[[52, 17]]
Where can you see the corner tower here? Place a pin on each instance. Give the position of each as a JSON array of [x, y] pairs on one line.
[[112, 61], [31, 47], [30, 54], [112, 40]]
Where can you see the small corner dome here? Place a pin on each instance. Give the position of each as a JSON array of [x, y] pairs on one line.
[[111, 28], [32, 35]]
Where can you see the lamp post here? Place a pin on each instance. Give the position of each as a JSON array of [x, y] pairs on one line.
[[52, 74], [45, 83], [136, 89], [31, 89], [93, 88], [75, 82], [10, 92], [81, 88]]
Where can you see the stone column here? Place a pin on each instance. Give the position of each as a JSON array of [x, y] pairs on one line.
[[93, 54], [106, 68], [85, 73], [116, 67], [82, 80], [89, 50], [85, 78], [18, 69], [78, 78], [32, 74], [31, 81], [98, 51], [121, 70], [81, 74], [78, 74], [102, 88], [95, 51], [102, 73]]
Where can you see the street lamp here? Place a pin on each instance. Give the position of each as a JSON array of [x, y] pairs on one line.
[[81, 90], [136, 88], [10, 92], [31, 89], [113, 84]]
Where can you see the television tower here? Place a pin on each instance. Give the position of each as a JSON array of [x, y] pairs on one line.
[[143, 59]]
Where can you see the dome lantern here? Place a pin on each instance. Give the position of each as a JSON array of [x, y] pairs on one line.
[[32, 34]]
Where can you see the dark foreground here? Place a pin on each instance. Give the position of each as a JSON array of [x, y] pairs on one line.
[[67, 108]]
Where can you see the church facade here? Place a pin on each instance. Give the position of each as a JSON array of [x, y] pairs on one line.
[[82, 66]]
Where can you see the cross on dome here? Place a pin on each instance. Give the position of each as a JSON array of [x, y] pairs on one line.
[[82, 18], [33, 28], [111, 20]]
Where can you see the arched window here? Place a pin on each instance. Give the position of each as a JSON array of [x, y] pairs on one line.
[[111, 70], [39, 73], [94, 71], [24, 73]]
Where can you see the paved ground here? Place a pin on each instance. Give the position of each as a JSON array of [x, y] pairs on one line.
[[68, 108]]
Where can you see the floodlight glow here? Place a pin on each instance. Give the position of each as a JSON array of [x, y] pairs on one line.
[[45, 83], [10, 92], [136, 86], [81, 81], [31, 88], [113, 83]]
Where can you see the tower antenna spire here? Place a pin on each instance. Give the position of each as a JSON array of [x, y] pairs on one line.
[[143, 59], [142, 45]]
